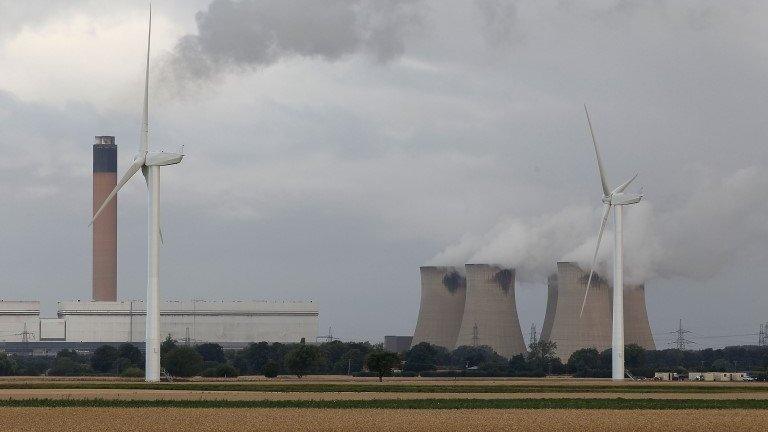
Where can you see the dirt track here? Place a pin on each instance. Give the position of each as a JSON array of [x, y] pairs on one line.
[[278, 420]]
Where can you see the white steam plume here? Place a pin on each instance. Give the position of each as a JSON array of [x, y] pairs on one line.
[[705, 232]]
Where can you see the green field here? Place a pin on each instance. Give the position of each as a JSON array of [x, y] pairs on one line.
[[612, 403], [387, 387]]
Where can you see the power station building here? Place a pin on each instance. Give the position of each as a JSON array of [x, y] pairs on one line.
[[229, 323], [85, 325], [571, 331], [490, 312]]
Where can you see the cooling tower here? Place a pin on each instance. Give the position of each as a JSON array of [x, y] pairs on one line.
[[105, 228], [572, 332], [549, 315], [637, 328], [443, 291], [490, 314]]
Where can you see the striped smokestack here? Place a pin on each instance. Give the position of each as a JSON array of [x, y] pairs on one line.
[[105, 227]]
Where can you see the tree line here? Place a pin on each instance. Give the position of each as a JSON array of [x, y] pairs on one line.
[[211, 360], [366, 359]]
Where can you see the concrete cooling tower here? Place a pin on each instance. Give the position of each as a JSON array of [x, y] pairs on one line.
[[443, 291], [549, 315], [637, 328], [571, 332], [490, 314]]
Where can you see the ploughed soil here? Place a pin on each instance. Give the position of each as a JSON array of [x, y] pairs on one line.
[[278, 420]]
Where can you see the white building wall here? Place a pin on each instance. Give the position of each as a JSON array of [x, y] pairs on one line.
[[14, 315], [201, 321]]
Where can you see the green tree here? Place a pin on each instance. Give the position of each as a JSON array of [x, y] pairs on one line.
[[425, 356], [381, 362], [66, 366], [70, 354], [470, 356], [721, 365], [212, 352], [541, 354], [271, 369], [33, 366], [350, 362], [184, 362], [302, 359], [8, 365], [584, 362], [166, 347], [255, 356], [131, 353], [103, 359]]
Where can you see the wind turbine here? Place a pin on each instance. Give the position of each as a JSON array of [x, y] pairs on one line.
[[149, 163], [615, 199]]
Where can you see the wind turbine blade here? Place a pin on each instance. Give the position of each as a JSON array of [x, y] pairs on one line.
[[606, 210], [144, 145], [138, 163], [624, 185], [606, 189]]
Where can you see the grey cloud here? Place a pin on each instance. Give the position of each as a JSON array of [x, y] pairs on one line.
[[500, 21], [235, 34]]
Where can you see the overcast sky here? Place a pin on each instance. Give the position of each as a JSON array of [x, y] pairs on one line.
[[334, 147]]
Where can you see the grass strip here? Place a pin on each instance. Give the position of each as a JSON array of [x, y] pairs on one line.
[[383, 388], [587, 404]]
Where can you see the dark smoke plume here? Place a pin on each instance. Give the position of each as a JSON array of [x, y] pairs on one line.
[[244, 34]]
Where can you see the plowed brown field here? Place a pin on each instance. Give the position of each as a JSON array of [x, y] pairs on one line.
[[278, 420]]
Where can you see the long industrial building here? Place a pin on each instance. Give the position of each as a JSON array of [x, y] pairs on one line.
[[443, 294], [490, 313], [105, 320], [571, 332], [197, 321]]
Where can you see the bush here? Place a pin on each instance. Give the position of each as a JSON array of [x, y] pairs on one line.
[[132, 372], [222, 371], [65, 366], [33, 366], [184, 362], [271, 369]]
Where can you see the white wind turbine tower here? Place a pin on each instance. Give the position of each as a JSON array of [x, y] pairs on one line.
[[615, 199], [149, 163]]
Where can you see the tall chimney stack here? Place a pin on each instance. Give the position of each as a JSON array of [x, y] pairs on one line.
[[105, 228]]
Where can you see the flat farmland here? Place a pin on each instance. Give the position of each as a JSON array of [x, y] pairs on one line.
[[278, 420], [346, 404]]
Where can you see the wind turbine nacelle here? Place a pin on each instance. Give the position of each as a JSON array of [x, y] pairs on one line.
[[623, 198], [162, 158]]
